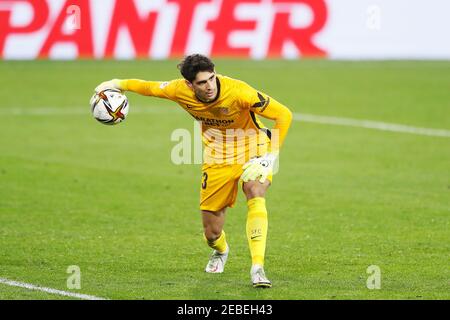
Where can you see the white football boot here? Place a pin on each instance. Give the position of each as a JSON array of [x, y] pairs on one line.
[[217, 261], [259, 279]]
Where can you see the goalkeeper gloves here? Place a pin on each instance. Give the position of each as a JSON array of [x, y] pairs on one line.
[[111, 84], [259, 168]]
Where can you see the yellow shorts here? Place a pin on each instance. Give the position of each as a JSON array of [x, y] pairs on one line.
[[219, 186]]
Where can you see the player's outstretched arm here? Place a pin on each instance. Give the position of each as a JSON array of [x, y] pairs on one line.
[[146, 88]]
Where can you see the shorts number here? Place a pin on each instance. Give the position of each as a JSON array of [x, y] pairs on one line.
[[205, 178]]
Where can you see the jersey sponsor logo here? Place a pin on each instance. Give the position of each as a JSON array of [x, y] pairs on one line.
[[214, 122]]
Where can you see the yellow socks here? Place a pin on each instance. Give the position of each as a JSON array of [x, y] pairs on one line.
[[257, 229], [220, 244]]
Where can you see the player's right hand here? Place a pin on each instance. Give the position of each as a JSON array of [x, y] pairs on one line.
[[111, 84], [259, 168]]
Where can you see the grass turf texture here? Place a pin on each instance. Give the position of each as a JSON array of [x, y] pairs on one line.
[[109, 199]]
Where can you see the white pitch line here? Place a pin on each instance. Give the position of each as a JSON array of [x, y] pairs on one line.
[[368, 124], [48, 290]]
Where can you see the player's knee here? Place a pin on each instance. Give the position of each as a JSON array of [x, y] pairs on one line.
[[253, 190], [212, 234]]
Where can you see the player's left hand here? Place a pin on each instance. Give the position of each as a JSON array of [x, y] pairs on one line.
[[259, 168], [111, 84]]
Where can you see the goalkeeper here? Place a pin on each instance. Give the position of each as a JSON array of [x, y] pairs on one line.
[[226, 108]]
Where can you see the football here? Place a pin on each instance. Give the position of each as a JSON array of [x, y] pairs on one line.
[[109, 106]]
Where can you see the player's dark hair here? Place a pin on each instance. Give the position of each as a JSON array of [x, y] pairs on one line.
[[193, 64]]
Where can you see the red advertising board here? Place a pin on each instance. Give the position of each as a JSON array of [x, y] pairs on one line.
[[133, 28]]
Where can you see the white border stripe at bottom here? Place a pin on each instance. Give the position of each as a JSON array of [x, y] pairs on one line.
[[384, 126], [48, 290]]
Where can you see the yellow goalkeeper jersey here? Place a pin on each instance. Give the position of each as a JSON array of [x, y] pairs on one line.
[[231, 130]]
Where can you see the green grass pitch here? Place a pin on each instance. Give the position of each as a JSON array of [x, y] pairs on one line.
[[109, 199]]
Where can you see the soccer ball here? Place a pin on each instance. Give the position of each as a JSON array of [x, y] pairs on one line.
[[109, 106]]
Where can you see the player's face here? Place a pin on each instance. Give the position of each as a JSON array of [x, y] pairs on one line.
[[205, 86]]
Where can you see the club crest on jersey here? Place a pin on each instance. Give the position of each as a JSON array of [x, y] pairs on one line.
[[223, 110]]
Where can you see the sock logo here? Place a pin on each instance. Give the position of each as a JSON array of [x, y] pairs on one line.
[[256, 233]]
